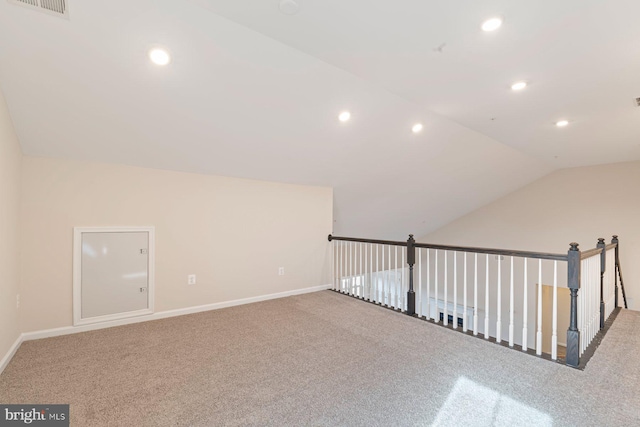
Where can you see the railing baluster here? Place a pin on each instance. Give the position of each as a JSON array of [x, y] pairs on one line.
[[539, 331], [360, 274], [594, 273], [592, 301], [345, 277], [475, 294], [351, 245], [428, 285], [372, 274], [365, 271], [379, 283], [455, 290], [353, 272], [366, 294], [388, 275], [581, 314], [594, 296], [419, 282], [486, 299], [338, 264], [339, 243], [334, 256], [554, 333], [403, 284], [354, 280], [372, 294], [347, 256], [383, 276], [511, 306], [445, 315], [525, 306], [587, 311], [464, 298], [395, 279], [333, 265], [368, 251], [603, 260], [436, 316], [616, 296], [499, 303], [590, 307], [342, 266]]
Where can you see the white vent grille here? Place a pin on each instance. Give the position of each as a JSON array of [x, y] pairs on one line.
[[52, 7]]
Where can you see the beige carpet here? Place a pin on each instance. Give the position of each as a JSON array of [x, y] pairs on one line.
[[320, 359]]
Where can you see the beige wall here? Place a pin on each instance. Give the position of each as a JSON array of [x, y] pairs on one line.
[[232, 233], [10, 163], [579, 204]]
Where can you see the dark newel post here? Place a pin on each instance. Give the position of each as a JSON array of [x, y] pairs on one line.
[[411, 260], [573, 334], [603, 268], [615, 272]]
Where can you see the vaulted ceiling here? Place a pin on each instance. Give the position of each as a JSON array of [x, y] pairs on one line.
[[255, 93]]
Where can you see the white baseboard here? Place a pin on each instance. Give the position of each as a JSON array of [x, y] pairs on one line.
[[66, 330], [12, 351]]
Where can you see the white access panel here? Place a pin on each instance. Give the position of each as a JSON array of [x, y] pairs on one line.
[[113, 273]]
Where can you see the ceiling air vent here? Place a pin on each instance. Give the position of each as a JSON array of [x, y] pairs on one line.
[[52, 7]]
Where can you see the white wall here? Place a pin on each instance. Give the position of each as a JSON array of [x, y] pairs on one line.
[[232, 233], [579, 204], [10, 163]]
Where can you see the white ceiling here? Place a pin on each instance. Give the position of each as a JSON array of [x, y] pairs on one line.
[[254, 93]]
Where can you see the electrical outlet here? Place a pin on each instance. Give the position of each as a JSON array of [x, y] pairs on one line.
[[18, 301], [281, 271], [191, 279]]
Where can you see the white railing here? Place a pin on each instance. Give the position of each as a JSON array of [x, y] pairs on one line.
[[462, 288], [597, 296], [373, 272], [589, 300], [510, 296]]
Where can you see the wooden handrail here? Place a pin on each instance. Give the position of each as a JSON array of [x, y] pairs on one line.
[[378, 242], [590, 253], [492, 251]]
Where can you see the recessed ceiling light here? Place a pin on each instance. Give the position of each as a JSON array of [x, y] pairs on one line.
[[417, 128], [289, 7], [491, 24], [344, 116], [518, 85], [159, 56], [562, 123]]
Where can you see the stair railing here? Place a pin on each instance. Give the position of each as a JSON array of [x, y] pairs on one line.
[[464, 287]]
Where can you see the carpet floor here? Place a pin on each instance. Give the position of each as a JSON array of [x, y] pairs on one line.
[[320, 359]]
